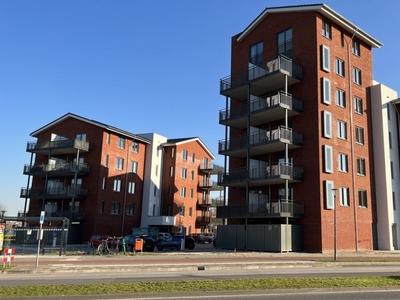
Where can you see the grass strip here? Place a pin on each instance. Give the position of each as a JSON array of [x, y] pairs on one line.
[[198, 285]]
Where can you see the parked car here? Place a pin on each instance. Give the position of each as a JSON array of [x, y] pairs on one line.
[[174, 243], [95, 239], [163, 236], [206, 238], [130, 241]]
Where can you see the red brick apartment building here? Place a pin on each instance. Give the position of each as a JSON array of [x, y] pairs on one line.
[[299, 135], [106, 180]]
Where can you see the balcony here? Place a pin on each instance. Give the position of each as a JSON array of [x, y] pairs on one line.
[[54, 193], [211, 168], [261, 110], [55, 170], [261, 142], [202, 221], [277, 209], [261, 176], [263, 79], [209, 185], [58, 147], [204, 203], [72, 216]]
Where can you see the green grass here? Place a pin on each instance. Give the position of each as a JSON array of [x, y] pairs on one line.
[[198, 285]]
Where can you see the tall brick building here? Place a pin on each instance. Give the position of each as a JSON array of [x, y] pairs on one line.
[[299, 134], [106, 180]]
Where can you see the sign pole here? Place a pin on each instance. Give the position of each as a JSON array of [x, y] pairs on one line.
[[39, 237]]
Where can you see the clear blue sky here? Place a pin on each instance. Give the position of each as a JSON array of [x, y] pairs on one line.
[[142, 66]]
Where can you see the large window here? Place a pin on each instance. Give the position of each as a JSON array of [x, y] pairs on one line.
[[360, 166], [119, 163], [326, 66], [340, 98], [131, 187], [357, 76], [344, 196], [117, 185], [121, 143], [327, 124], [326, 90], [285, 43], [115, 208], [339, 66], [342, 129], [356, 47], [326, 29], [256, 54], [183, 192], [360, 135], [343, 165], [328, 157], [184, 173], [133, 167], [362, 198], [184, 155], [358, 106]]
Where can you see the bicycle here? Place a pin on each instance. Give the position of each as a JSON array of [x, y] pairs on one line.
[[103, 249]]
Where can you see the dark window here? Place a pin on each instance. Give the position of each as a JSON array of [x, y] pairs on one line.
[[285, 43], [256, 54]]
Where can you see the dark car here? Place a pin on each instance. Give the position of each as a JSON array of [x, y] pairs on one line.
[[175, 242], [130, 241]]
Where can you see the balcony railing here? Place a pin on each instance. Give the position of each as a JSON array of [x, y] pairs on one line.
[[209, 184], [257, 210], [54, 193], [204, 202], [62, 168], [72, 216], [59, 144], [281, 134], [203, 220], [262, 104], [262, 173], [214, 168], [281, 63]]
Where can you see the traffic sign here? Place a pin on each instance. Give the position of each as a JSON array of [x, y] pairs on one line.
[[41, 220]]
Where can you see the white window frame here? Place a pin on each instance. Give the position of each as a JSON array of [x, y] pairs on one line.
[[117, 185], [329, 197], [134, 166], [356, 48], [104, 183], [344, 196], [185, 155], [361, 166], [342, 129], [121, 143], [184, 173], [183, 192], [357, 76], [327, 124], [326, 57], [340, 98], [327, 29], [131, 187], [326, 90], [358, 105], [359, 135], [135, 147], [328, 159], [171, 171], [119, 163], [339, 67], [106, 159], [343, 162]]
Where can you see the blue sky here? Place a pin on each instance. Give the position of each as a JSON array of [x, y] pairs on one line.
[[142, 66]]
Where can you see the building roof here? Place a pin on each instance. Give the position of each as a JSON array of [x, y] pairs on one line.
[[179, 141], [324, 10], [93, 122]]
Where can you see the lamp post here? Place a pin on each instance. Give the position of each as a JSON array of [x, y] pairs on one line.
[[334, 226]]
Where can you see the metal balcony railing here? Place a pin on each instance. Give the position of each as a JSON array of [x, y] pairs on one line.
[[257, 210], [81, 168], [72, 216], [59, 144], [51, 193]]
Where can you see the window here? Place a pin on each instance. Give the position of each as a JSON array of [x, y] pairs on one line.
[[115, 208], [339, 66], [285, 43], [326, 90], [326, 58], [327, 124], [390, 140], [357, 76], [133, 167], [326, 30], [256, 54], [135, 147], [182, 211], [156, 170], [329, 198], [130, 209], [342, 39], [119, 163], [184, 154], [101, 210], [131, 187], [121, 143], [80, 136], [171, 171], [190, 211], [184, 173], [362, 198], [155, 189], [344, 196], [169, 191], [356, 47], [172, 152], [391, 170], [360, 135], [358, 107], [193, 157], [328, 164], [388, 110], [394, 200], [192, 175], [106, 160], [340, 98], [191, 193], [343, 167], [107, 138], [104, 183], [117, 185], [360, 166], [183, 192], [342, 130]]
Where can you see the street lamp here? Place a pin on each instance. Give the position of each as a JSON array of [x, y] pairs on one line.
[[334, 226]]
